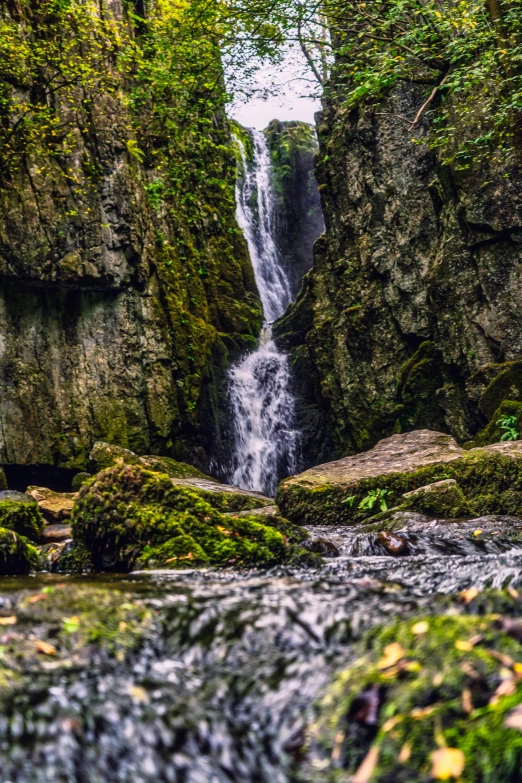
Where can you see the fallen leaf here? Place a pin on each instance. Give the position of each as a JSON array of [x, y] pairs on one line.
[[463, 645], [8, 620], [35, 598], [468, 595], [390, 724], [506, 688], [467, 704], [447, 763], [392, 654], [404, 755], [420, 628], [45, 647], [513, 592], [421, 712], [514, 719], [138, 694], [365, 771], [338, 746], [71, 624], [438, 679], [477, 532]]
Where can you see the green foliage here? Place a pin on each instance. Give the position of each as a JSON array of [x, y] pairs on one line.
[[468, 62], [510, 426], [374, 496]]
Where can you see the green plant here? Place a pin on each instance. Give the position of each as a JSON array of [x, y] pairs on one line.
[[350, 500], [375, 496], [510, 426]]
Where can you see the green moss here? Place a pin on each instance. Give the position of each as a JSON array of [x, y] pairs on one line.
[[447, 502], [79, 480], [419, 380], [490, 481], [24, 518], [435, 686], [507, 385], [17, 555], [127, 515], [493, 432]]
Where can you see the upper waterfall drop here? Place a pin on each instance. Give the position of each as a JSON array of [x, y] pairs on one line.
[[263, 408]]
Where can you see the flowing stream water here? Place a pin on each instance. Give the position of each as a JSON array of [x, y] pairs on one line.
[[262, 405]]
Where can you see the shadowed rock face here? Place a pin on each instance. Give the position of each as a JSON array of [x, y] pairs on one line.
[[118, 315], [298, 213], [412, 309]]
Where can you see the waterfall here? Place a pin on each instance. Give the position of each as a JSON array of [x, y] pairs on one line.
[[265, 441]]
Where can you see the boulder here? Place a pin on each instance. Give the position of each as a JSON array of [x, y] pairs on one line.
[[105, 455], [79, 480], [17, 555], [350, 490], [55, 506], [131, 517], [21, 516]]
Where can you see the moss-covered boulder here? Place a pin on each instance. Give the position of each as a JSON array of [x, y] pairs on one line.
[[354, 488], [440, 499], [17, 555], [22, 516], [430, 698], [128, 517], [105, 455]]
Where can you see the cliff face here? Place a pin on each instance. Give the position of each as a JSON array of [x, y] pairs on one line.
[[411, 316], [299, 217], [125, 284]]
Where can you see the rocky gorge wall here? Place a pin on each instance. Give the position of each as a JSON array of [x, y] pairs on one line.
[[411, 315], [125, 284]]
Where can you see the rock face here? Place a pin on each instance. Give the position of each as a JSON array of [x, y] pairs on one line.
[[122, 300], [298, 212], [410, 317], [485, 481]]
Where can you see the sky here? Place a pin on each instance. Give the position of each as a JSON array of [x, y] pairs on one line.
[[285, 92]]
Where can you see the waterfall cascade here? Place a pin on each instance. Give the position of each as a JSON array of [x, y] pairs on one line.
[[265, 440]]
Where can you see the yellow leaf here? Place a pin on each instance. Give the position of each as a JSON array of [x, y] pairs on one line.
[[467, 703], [138, 694], [468, 595], [365, 771], [477, 532], [391, 723], [421, 712], [392, 654], [420, 628], [8, 620], [463, 646], [45, 647], [404, 755], [447, 763], [513, 592], [438, 679]]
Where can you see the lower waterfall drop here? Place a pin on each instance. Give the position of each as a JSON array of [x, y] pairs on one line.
[[263, 408]]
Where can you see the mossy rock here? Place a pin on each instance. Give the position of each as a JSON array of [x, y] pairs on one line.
[[129, 516], [507, 385], [79, 480], [105, 455], [490, 479], [420, 686], [3, 480], [23, 517], [493, 433], [420, 379], [17, 555], [443, 499]]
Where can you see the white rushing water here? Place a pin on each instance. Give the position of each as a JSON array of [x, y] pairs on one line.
[[265, 441]]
